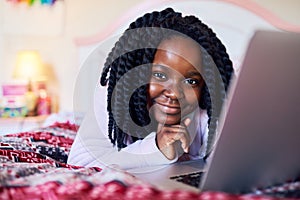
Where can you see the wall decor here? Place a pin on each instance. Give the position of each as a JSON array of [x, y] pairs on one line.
[[31, 2]]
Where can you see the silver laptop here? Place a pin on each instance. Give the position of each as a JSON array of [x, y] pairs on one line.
[[259, 140]]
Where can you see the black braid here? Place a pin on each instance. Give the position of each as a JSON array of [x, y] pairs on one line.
[[138, 49]]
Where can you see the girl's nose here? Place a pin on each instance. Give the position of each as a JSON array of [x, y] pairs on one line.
[[174, 91]]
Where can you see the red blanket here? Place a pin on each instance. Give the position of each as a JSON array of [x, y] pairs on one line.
[[33, 166]]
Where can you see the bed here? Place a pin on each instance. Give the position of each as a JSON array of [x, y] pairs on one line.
[[33, 163], [33, 166]]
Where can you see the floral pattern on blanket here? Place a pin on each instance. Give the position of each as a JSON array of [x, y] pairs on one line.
[[33, 166]]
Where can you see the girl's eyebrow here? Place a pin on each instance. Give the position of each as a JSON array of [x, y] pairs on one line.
[[194, 73], [160, 66]]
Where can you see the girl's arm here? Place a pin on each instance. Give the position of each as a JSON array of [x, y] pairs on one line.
[[92, 147]]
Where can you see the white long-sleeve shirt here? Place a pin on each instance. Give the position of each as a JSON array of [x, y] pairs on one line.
[[93, 148]]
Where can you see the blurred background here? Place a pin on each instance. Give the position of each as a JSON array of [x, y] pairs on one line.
[[49, 35]]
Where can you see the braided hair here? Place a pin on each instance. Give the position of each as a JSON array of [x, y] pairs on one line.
[[128, 65]]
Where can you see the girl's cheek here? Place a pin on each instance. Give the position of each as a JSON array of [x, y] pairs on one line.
[[155, 89], [192, 97]]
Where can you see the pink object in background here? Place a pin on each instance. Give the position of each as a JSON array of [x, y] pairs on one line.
[[14, 89], [44, 103]]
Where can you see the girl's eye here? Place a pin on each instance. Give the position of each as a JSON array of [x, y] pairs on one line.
[[159, 76], [192, 81]]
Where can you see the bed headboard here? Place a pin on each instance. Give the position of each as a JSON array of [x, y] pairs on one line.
[[233, 21]]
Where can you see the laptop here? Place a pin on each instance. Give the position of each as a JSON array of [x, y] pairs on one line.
[[259, 141]]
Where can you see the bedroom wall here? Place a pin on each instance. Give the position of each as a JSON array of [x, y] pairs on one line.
[[81, 18]]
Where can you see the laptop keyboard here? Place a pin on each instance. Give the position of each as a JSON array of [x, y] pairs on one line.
[[192, 179], [291, 190]]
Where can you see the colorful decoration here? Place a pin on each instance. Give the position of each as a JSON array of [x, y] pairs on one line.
[[13, 106], [13, 112], [47, 2], [31, 2]]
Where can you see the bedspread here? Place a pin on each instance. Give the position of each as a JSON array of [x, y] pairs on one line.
[[34, 166]]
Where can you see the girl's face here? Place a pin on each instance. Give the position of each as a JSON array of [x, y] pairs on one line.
[[175, 84]]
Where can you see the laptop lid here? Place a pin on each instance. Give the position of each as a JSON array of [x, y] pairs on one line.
[[259, 141]]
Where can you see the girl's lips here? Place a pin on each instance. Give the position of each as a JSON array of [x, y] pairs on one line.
[[169, 109]]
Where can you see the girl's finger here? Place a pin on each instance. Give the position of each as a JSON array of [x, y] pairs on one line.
[[187, 122]]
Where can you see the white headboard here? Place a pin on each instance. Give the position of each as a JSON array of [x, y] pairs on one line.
[[233, 21]]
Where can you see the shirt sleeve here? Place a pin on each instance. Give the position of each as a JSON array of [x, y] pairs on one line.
[[92, 147]]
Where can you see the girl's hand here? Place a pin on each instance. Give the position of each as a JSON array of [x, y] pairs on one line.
[[168, 135]]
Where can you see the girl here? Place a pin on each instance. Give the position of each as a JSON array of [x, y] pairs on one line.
[[165, 81]]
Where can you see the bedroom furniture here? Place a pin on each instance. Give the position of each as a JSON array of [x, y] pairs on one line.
[[30, 67], [33, 166]]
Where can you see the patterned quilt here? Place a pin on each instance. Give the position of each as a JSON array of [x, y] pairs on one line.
[[33, 166]]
